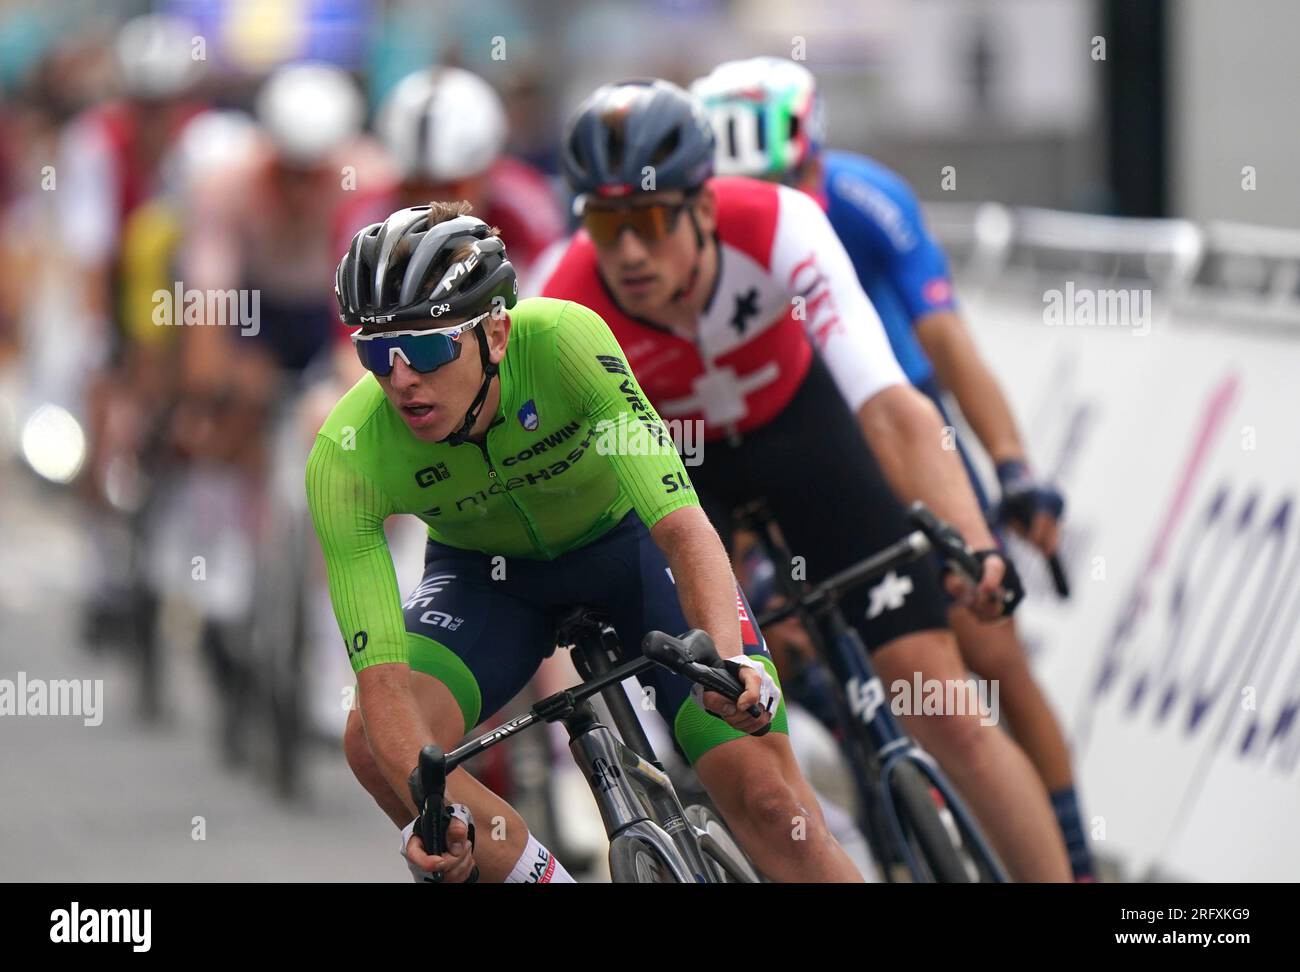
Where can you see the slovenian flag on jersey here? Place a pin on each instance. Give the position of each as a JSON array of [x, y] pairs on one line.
[[528, 416]]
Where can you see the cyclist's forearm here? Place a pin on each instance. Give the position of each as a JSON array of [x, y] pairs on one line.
[[960, 369], [907, 435], [394, 727], [702, 572]]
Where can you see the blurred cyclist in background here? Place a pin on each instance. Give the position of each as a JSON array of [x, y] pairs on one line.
[[266, 225], [259, 239], [768, 119], [445, 129], [109, 164]]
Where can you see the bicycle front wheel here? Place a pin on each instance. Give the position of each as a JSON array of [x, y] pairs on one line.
[[729, 863], [923, 827], [634, 859]]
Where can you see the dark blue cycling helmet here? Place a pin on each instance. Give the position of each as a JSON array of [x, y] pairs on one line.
[[625, 127]]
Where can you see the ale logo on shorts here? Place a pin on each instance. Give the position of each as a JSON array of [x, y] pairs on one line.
[[528, 416]]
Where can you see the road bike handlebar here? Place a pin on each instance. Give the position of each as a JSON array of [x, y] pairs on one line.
[[693, 656]]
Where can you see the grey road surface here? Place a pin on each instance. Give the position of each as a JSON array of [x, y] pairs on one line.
[[117, 801]]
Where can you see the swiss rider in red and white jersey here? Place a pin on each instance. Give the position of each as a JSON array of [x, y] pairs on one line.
[[738, 308]]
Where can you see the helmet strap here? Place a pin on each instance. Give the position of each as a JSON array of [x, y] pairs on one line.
[[461, 435], [687, 287]]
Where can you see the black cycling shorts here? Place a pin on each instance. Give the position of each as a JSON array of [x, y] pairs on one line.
[[812, 467]]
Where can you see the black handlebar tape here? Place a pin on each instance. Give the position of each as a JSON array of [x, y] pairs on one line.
[[433, 790], [1061, 582], [948, 543], [435, 815]]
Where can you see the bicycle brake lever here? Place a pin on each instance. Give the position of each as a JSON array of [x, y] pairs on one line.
[[430, 799], [695, 657], [429, 796], [727, 685], [947, 542]]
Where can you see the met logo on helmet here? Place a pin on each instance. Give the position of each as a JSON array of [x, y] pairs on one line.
[[461, 268]]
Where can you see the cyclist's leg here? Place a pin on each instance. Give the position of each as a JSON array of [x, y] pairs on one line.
[[755, 781], [902, 617], [474, 643], [996, 654], [995, 776], [991, 771]]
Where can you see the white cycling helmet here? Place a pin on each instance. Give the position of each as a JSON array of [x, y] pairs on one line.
[[309, 110], [767, 117], [212, 141], [443, 124], [155, 56]]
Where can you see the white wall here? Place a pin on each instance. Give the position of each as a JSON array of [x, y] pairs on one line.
[[1178, 454], [1235, 101]]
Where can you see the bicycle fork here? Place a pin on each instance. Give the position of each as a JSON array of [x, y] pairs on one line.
[[625, 786]]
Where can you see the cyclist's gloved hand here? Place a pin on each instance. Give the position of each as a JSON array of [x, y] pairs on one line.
[[999, 589], [454, 867], [760, 689], [1031, 506]]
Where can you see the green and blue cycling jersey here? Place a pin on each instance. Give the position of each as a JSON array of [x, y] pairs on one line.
[[541, 483]]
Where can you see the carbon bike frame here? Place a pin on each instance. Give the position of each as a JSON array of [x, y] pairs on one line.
[[862, 695]]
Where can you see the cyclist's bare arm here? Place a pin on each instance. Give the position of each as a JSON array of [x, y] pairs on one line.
[[348, 512], [394, 727], [902, 426], [920, 459], [397, 732], [961, 369], [706, 589]]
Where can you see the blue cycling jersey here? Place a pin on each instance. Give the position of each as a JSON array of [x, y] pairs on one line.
[[899, 265]]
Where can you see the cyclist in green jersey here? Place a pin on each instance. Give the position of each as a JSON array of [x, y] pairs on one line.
[[546, 480]]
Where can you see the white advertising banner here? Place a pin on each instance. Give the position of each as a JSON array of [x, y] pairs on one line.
[[1175, 664]]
